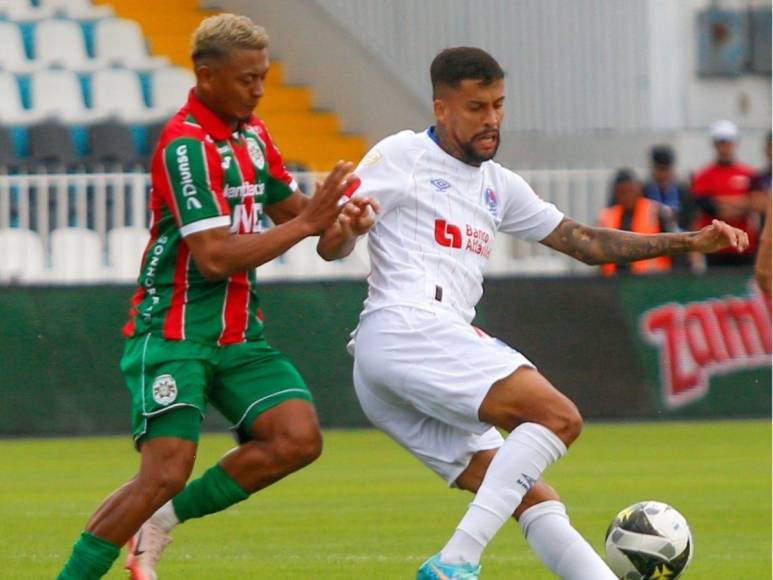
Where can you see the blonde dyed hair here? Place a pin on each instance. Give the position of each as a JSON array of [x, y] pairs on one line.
[[218, 35]]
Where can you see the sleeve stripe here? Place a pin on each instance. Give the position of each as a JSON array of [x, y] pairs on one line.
[[205, 224]]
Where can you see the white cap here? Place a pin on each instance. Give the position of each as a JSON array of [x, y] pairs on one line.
[[723, 130]]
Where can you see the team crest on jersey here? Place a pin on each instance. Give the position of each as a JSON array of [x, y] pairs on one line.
[[164, 389], [256, 153], [440, 184], [490, 197]]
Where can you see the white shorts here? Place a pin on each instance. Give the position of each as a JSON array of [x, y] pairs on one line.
[[421, 376]]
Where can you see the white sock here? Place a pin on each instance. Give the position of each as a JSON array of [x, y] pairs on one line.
[[519, 463], [559, 546], [166, 517]]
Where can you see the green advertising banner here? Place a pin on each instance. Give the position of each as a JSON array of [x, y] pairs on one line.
[[704, 343]]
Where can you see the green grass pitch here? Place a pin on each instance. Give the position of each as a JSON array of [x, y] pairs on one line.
[[367, 510]]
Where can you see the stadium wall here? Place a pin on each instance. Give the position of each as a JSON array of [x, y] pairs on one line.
[[627, 348], [591, 83]]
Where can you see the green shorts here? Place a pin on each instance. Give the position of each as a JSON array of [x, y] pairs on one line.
[[240, 380]]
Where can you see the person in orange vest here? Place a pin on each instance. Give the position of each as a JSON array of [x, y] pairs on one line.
[[632, 212]]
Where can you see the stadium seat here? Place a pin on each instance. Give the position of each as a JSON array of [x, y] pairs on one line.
[[77, 9], [58, 94], [12, 55], [301, 261], [62, 43], [10, 162], [152, 135], [125, 247], [169, 88], [24, 11], [23, 256], [111, 148], [51, 148], [120, 41], [76, 255], [12, 111], [117, 92]]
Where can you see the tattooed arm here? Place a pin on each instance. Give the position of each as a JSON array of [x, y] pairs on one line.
[[603, 245]]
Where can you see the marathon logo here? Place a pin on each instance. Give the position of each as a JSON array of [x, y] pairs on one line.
[[701, 339], [186, 178]]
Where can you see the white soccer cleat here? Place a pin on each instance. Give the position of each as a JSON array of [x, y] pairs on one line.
[[145, 549]]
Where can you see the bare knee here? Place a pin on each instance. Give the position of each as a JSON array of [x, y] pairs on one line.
[[289, 451], [566, 423], [299, 449]]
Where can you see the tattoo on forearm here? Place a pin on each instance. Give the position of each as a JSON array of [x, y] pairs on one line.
[[601, 245]]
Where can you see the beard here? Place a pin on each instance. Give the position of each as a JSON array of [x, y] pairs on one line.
[[472, 156]]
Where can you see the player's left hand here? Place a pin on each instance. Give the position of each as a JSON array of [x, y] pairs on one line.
[[718, 236], [358, 216]]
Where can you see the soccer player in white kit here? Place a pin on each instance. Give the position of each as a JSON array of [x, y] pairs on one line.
[[422, 372]]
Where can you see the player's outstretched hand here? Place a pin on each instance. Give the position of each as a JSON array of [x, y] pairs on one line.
[[323, 208], [718, 236], [358, 216]]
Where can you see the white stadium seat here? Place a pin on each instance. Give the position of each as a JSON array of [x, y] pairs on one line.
[[169, 88], [76, 255], [21, 252], [124, 252], [78, 9], [57, 93], [12, 55], [61, 43], [117, 92], [120, 41], [12, 112], [23, 11]]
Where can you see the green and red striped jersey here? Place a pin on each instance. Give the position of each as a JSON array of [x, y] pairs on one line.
[[203, 175]]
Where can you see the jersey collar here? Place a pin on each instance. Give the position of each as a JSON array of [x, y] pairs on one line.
[[433, 134], [208, 120]]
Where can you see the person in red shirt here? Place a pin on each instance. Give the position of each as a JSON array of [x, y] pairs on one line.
[[721, 191]]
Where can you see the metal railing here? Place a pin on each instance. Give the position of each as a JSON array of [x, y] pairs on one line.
[[45, 203]]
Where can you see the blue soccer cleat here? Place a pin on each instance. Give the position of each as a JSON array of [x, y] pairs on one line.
[[434, 569]]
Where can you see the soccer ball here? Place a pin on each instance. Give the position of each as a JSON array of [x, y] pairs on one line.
[[649, 540]]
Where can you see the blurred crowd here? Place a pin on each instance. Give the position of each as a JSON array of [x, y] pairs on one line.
[[725, 189]]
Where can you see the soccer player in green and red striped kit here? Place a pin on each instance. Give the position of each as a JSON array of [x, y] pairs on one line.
[[195, 334]]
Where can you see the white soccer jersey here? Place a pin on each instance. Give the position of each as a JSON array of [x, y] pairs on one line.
[[435, 232]]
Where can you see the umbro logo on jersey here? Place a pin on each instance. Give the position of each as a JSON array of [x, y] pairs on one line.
[[448, 235], [440, 184]]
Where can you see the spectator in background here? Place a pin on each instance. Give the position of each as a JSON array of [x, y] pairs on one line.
[[664, 187], [721, 191], [633, 212], [760, 193], [759, 188]]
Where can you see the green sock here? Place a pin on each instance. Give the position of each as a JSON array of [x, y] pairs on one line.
[[91, 558], [212, 492]]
